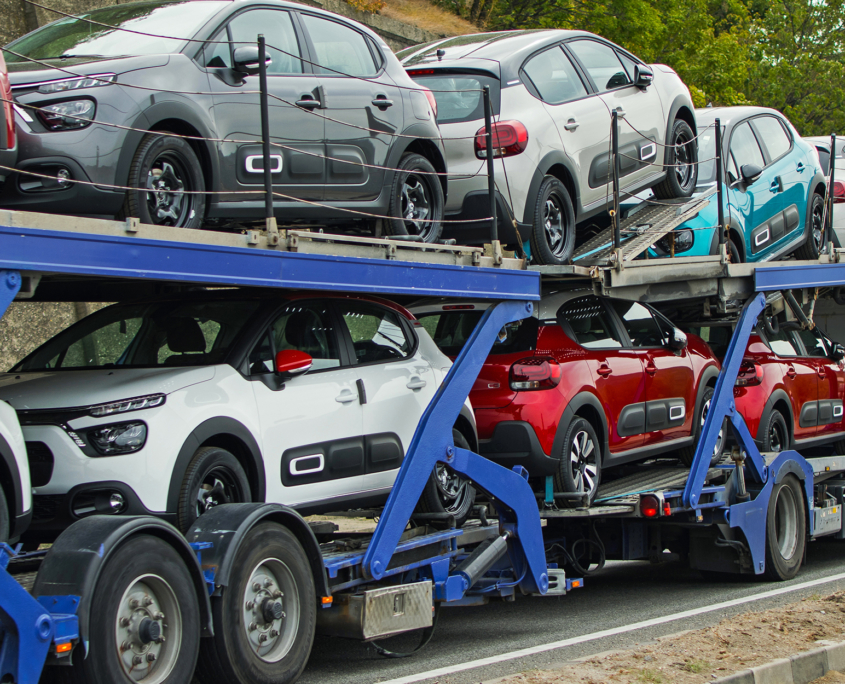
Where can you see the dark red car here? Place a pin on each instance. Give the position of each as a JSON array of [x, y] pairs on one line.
[[8, 135], [589, 383]]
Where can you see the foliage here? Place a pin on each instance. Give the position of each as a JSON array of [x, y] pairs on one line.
[[371, 6]]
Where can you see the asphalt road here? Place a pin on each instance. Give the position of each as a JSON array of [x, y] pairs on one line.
[[622, 594]]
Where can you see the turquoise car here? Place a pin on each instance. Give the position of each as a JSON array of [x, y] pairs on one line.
[[773, 187]]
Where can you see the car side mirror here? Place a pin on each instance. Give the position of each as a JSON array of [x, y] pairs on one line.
[[750, 173], [838, 352], [246, 59], [292, 362], [643, 76], [677, 340]]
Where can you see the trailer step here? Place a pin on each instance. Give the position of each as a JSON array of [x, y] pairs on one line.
[[644, 226]]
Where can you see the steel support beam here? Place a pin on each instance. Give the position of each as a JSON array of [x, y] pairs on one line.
[[10, 285]]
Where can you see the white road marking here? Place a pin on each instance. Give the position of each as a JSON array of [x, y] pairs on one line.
[[542, 648]]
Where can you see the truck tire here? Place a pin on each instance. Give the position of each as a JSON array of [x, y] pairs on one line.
[[580, 460], [553, 233], [214, 476], [448, 492], [786, 525], [776, 434], [5, 524], [687, 454], [143, 579], [416, 200], [265, 620], [816, 240], [681, 163]]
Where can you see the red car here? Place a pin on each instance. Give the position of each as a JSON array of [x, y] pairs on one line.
[[589, 383], [8, 136]]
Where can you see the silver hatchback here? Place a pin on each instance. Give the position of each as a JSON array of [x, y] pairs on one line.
[[552, 95]]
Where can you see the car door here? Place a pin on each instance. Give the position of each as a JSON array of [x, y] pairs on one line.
[[363, 108], [311, 424], [801, 380], [790, 173], [642, 122], [581, 118], [831, 382], [295, 131], [396, 383], [761, 201], [617, 371], [669, 378]]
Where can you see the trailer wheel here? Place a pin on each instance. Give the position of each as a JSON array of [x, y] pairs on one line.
[[682, 163], [214, 476], [580, 461], [776, 434], [448, 492], [785, 530], [145, 619], [553, 232], [687, 454], [264, 622]]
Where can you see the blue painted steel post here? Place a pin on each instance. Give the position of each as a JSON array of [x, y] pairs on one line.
[[432, 442], [722, 405], [10, 285]]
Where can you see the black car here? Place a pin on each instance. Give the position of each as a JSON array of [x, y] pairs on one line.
[[107, 83]]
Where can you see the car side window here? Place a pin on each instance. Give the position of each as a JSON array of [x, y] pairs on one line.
[[782, 343], [744, 147], [340, 48], [277, 27], [306, 327], [377, 334], [602, 63], [629, 64], [554, 77], [642, 328], [813, 344], [771, 133], [217, 53], [590, 322]]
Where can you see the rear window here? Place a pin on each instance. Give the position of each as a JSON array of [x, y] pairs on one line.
[[451, 329], [459, 96]]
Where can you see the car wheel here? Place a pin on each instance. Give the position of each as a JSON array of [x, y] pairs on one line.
[[553, 233], [214, 476], [145, 623], [579, 469], [5, 525], [416, 200], [734, 253], [814, 245], [687, 454], [776, 434], [448, 492], [265, 620], [681, 163], [785, 530], [168, 166]]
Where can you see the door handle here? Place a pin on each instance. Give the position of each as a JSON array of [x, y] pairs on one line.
[[604, 370], [776, 184], [790, 371], [382, 102], [620, 112], [345, 397], [651, 369], [416, 383], [800, 167], [822, 372], [571, 125], [308, 102]]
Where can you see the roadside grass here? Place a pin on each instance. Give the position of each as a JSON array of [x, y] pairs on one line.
[[650, 676], [695, 666], [429, 17]]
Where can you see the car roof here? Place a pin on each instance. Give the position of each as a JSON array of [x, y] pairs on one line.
[[730, 115]]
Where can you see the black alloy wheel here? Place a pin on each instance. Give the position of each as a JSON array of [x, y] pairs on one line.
[[553, 233], [681, 163], [447, 491], [214, 477], [776, 436], [417, 202], [816, 241]]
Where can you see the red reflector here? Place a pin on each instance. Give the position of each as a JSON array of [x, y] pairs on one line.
[[421, 72], [750, 373], [667, 509], [64, 648], [458, 307], [535, 373], [509, 138], [649, 506]]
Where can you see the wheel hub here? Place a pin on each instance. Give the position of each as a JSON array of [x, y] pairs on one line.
[[552, 220], [270, 610], [584, 469], [416, 205]]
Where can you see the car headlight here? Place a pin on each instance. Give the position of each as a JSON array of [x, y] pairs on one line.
[[122, 438], [76, 83], [684, 240], [65, 116], [135, 404]]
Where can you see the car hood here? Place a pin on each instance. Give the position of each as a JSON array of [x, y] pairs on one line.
[[68, 389], [23, 73]]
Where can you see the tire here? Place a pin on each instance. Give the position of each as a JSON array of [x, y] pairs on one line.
[[771, 325], [416, 200], [839, 447], [687, 454], [776, 433], [268, 553], [680, 180], [448, 492], [168, 162], [734, 253], [580, 464], [5, 522], [814, 245], [786, 526], [220, 475], [553, 232], [143, 568]]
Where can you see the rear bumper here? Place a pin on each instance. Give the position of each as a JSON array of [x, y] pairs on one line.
[[515, 443], [475, 209]]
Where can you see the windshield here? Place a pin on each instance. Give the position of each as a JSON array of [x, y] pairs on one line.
[[451, 329], [76, 37], [146, 336]]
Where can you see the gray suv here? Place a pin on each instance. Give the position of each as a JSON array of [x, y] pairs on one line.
[[104, 83], [553, 92]]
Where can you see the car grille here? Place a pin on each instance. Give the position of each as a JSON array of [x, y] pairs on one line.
[[45, 507], [40, 463]]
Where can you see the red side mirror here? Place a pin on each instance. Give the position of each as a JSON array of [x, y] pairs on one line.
[[292, 362]]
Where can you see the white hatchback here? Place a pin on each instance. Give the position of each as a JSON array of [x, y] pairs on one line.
[[174, 405], [15, 489]]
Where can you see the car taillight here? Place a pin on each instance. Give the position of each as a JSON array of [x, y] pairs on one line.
[[431, 101], [838, 192], [535, 373], [509, 138], [750, 373], [6, 93]]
